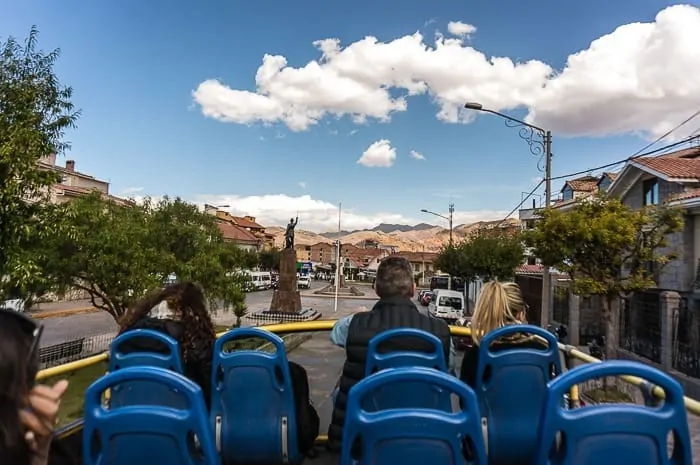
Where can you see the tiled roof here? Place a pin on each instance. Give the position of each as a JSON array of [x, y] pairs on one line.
[[415, 257], [537, 270], [687, 195], [75, 191], [246, 223], [236, 234], [692, 152], [611, 176], [584, 184], [678, 168]]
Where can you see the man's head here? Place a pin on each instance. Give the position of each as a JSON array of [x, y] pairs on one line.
[[394, 278], [291, 220]]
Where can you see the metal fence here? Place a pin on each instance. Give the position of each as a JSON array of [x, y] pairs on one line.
[[74, 349], [640, 324], [686, 338]]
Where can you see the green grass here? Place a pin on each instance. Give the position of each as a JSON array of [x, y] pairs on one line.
[[610, 395], [74, 399]]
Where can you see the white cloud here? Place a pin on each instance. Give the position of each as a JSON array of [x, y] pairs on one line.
[[460, 29], [638, 78], [130, 191], [353, 132], [321, 216], [417, 155], [378, 155], [302, 184]]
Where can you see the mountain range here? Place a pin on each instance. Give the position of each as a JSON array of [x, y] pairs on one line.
[[418, 238]]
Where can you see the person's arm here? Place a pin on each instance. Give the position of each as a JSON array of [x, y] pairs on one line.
[[451, 362], [339, 333], [469, 364]]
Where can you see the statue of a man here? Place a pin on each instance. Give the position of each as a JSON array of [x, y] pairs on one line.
[[289, 233]]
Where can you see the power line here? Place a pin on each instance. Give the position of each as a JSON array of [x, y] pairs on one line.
[[638, 154]]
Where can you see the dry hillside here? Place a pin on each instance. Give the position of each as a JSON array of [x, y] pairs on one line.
[[432, 239]]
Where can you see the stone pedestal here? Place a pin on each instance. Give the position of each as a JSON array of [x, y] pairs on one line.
[[286, 301], [286, 298]]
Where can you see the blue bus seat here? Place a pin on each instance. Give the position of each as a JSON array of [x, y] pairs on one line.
[[406, 395], [412, 436], [147, 434], [615, 433], [252, 408], [144, 392], [511, 386]]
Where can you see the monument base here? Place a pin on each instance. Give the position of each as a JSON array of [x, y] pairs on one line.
[[351, 291], [274, 317]]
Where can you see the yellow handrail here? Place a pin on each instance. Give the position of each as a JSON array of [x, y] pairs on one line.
[[691, 405]]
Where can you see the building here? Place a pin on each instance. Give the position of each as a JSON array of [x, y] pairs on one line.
[[246, 223], [668, 180], [422, 262], [73, 183]]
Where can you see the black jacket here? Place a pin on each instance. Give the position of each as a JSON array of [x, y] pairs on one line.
[[198, 365], [386, 314]]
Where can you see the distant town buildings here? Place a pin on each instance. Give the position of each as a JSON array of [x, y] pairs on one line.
[[243, 231], [73, 183]]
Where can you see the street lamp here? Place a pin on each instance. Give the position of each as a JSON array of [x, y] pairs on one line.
[[540, 142], [449, 219]]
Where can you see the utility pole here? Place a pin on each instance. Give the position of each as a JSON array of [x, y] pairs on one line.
[[451, 210], [545, 316]]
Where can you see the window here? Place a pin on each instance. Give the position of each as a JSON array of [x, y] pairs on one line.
[[416, 267], [651, 191], [604, 184], [454, 302], [531, 260]]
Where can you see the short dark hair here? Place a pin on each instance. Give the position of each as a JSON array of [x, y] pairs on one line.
[[394, 278]]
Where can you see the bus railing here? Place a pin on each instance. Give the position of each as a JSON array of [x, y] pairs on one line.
[[651, 392]]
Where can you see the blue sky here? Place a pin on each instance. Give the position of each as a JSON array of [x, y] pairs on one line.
[[161, 87]]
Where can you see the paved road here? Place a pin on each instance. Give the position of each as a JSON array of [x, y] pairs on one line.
[[57, 330]]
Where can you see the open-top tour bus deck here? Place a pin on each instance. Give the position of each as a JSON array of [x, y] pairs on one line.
[[516, 414]]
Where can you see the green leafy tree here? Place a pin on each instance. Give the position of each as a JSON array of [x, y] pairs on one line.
[[269, 259], [607, 249], [101, 247], [35, 111], [485, 255], [118, 253]]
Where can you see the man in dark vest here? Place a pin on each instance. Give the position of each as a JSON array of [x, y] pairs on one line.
[[395, 287]]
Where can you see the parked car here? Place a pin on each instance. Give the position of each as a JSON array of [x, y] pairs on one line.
[[304, 282], [448, 305]]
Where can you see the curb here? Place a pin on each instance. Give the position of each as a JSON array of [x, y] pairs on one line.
[[348, 297], [42, 315]]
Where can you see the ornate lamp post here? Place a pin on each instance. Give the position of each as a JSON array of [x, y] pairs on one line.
[[540, 142]]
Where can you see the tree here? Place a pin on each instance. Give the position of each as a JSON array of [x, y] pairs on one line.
[[118, 253], [269, 259], [35, 111], [485, 255], [607, 249]]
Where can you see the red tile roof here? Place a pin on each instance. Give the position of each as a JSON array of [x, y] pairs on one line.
[[415, 257], [678, 168], [611, 176], [584, 184], [687, 195], [235, 233], [692, 152], [246, 223]]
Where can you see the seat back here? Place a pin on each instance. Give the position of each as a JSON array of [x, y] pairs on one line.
[[252, 405], [135, 434], [407, 395], [144, 392], [411, 436], [511, 385], [615, 433]]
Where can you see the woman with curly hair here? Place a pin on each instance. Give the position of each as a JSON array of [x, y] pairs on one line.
[[180, 311]]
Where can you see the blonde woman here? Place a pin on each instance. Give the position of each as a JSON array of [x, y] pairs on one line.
[[498, 305]]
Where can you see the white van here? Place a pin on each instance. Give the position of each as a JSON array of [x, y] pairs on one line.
[[261, 280], [448, 305]]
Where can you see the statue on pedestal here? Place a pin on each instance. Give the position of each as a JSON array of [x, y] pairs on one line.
[[289, 233]]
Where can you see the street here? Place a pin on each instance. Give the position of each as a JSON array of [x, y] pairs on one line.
[[62, 329]]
